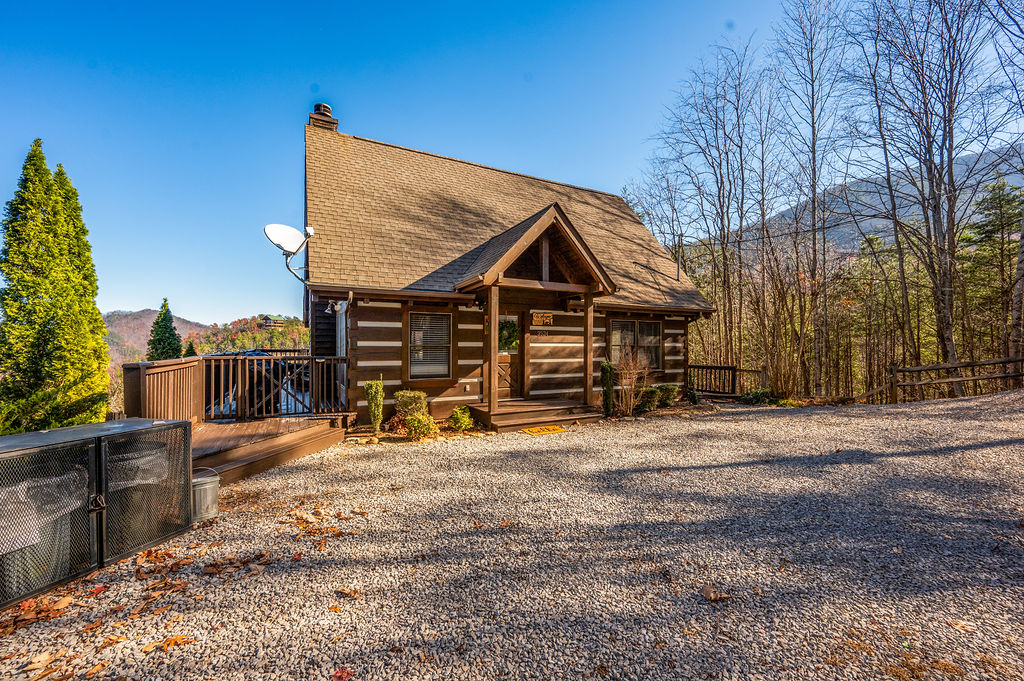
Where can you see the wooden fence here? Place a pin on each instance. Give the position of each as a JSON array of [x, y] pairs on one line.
[[235, 387], [937, 380]]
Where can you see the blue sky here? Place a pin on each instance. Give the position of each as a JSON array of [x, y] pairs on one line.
[[181, 125]]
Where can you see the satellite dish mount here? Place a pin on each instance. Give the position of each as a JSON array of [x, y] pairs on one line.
[[291, 242]]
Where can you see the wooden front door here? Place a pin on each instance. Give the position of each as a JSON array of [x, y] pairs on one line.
[[510, 356]]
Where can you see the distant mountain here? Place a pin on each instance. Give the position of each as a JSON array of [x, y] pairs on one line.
[[128, 333], [859, 208]]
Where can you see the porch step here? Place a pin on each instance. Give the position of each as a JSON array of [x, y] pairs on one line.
[[518, 423], [518, 414]]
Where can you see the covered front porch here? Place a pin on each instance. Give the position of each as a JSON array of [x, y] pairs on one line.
[[525, 280]]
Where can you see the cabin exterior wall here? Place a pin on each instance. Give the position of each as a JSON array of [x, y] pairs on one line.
[[553, 353]]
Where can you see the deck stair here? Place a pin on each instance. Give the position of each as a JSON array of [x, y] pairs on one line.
[[516, 414]]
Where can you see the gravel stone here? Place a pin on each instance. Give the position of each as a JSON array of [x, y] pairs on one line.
[[858, 542]]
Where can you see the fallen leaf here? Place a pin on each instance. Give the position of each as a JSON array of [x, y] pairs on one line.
[[343, 674], [96, 669], [110, 641], [46, 672], [961, 626], [62, 603], [334, 608], [354, 594], [712, 594]]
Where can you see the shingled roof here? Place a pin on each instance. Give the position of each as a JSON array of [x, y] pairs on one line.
[[388, 217]]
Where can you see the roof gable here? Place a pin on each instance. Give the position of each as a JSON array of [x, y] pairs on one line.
[[387, 217], [502, 250]]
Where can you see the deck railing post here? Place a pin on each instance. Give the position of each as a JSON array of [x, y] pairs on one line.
[[893, 387], [314, 386]]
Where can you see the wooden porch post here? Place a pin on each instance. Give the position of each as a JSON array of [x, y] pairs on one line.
[[588, 348], [491, 360]]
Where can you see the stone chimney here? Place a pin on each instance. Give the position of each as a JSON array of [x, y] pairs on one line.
[[321, 117]]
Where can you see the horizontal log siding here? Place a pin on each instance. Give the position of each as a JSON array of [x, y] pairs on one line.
[[377, 347], [556, 355], [556, 365]]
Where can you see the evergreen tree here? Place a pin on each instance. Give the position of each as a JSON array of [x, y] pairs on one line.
[[164, 341], [87, 357], [51, 334], [190, 349]]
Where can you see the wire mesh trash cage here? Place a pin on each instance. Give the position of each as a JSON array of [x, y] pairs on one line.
[[75, 499], [148, 488], [46, 533], [205, 490]]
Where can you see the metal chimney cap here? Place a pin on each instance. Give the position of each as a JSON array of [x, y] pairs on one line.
[[322, 109]]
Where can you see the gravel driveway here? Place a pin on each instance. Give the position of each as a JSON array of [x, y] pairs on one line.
[[852, 543]]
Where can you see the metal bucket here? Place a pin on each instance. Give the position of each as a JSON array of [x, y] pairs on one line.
[[204, 496]]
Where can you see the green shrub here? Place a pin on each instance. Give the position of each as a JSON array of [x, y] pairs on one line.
[[460, 419], [648, 400], [785, 402], [375, 402], [691, 392], [608, 387], [410, 402], [761, 396], [421, 425], [667, 394]]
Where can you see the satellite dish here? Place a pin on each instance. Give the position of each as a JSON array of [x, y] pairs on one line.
[[288, 239]]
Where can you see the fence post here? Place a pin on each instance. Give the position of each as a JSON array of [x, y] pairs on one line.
[[732, 381], [893, 388], [764, 376]]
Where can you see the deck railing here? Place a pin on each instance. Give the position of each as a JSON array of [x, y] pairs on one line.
[[262, 387], [168, 389], [725, 379], [238, 387], [712, 379]]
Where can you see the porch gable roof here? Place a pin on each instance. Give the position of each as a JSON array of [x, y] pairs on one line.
[[501, 250]]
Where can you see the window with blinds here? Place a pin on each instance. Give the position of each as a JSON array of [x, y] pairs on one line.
[[649, 343], [643, 338], [430, 345]]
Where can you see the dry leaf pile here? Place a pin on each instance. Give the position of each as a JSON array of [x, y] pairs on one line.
[[234, 566]]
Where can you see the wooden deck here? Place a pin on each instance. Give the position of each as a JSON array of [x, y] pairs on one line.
[[237, 450], [516, 414]]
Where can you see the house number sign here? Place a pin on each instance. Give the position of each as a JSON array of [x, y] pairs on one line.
[[543, 319]]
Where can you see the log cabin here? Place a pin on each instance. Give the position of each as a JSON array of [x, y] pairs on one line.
[[480, 286]]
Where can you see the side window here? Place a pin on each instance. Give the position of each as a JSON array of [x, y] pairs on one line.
[[430, 345], [623, 336], [649, 344]]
